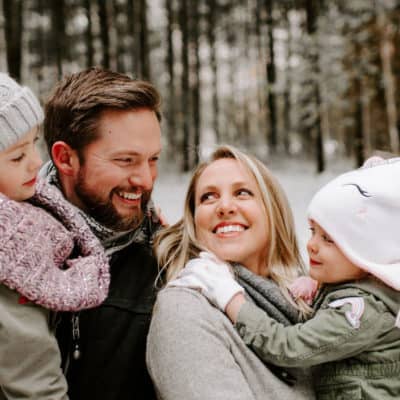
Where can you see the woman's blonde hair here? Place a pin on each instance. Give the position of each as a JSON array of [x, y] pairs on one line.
[[177, 244]]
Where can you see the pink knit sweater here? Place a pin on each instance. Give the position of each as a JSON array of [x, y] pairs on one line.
[[49, 255]]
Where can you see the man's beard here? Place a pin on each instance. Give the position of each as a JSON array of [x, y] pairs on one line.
[[104, 212]]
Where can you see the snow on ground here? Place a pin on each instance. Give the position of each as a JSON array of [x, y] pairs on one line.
[[297, 177]]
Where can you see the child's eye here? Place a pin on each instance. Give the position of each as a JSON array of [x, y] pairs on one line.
[[327, 239], [19, 158], [312, 230]]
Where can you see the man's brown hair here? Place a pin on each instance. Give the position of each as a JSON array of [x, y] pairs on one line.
[[73, 110]]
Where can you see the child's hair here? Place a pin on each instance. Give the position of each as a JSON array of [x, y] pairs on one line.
[[20, 111], [360, 211]]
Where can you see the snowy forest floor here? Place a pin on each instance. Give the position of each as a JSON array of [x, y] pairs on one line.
[[298, 178]]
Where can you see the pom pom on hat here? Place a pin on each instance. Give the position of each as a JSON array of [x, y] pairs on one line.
[[20, 111], [360, 210]]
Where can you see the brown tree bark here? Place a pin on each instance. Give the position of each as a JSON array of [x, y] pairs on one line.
[[271, 77], [312, 8], [195, 81], [104, 32], [144, 47], [89, 34], [170, 61], [13, 29], [185, 99], [60, 37], [211, 16]]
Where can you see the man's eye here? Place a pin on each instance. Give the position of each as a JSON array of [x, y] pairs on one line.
[[126, 160]]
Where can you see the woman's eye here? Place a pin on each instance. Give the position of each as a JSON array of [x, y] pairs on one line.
[[207, 196], [312, 230], [244, 192]]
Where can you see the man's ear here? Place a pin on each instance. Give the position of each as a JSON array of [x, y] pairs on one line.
[[65, 158]]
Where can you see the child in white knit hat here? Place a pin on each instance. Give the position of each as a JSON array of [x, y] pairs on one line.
[[49, 258], [353, 336]]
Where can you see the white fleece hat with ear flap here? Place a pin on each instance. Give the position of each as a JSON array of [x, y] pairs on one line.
[[360, 211]]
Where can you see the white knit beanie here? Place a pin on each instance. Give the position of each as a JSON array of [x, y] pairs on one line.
[[20, 111], [360, 211]]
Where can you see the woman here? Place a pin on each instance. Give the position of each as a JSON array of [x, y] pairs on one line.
[[235, 209]]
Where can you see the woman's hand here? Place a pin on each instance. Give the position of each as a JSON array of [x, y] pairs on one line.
[[212, 277]]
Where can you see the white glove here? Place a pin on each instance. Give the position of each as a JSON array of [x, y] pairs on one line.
[[212, 277]]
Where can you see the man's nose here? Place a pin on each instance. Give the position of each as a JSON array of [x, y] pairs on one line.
[[142, 177]]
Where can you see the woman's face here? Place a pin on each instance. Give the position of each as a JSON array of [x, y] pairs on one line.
[[230, 218]]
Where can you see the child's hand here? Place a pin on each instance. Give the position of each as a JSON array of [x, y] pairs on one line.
[[304, 288]]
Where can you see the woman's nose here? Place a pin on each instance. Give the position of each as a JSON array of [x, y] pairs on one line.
[[226, 206]]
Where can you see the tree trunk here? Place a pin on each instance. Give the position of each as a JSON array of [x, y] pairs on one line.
[[13, 27], [144, 47], [286, 92], [246, 94], [358, 134], [312, 7], [134, 34], [232, 124], [386, 53], [262, 87], [104, 32], [58, 26], [271, 77], [120, 36], [89, 34], [196, 81], [170, 60], [183, 22], [214, 66]]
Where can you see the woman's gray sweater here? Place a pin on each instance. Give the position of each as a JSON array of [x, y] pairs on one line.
[[194, 352]]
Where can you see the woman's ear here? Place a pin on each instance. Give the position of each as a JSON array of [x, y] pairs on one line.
[[65, 158]]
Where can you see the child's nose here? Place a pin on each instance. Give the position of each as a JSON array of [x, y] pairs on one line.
[[36, 160], [312, 246]]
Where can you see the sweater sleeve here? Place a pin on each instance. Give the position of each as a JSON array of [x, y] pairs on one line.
[[187, 355], [30, 359], [326, 337]]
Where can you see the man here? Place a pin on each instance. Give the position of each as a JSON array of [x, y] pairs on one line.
[[102, 130]]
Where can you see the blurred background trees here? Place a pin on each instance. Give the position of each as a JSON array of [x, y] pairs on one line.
[[287, 78]]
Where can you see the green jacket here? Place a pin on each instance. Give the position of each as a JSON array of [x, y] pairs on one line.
[[358, 355], [29, 356]]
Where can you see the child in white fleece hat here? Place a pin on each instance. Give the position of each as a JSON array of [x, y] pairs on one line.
[[49, 258], [353, 336]]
